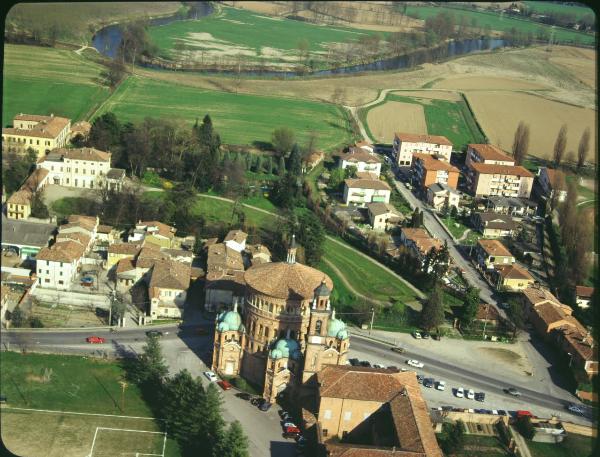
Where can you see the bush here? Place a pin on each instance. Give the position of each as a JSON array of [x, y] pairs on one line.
[[525, 427], [167, 185], [152, 179], [36, 322]]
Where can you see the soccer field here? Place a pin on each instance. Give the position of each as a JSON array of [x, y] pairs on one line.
[[47, 433]]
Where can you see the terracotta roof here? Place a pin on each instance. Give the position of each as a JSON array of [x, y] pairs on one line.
[[163, 229], [376, 184], [537, 295], [90, 154], [66, 251], [232, 280], [124, 265], [414, 233], [79, 237], [124, 248], [513, 272], [580, 343], [258, 249], [495, 221], [170, 274], [20, 197], [426, 244], [47, 127], [491, 152], [82, 127], [148, 255], [433, 164], [221, 257], [486, 311], [584, 292], [366, 175], [104, 228], [490, 169], [236, 235], [286, 280], [35, 179], [494, 247], [84, 221], [553, 175], [549, 312], [379, 208], [420, 138], [363, 144], [360, 155]]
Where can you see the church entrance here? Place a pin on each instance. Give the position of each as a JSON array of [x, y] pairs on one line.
[[229, 368]]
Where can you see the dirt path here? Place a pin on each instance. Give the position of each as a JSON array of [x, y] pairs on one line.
[[83, 48], [464, 235]]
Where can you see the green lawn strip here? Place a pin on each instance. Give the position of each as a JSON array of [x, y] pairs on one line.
[[63, 83], [76, 384], [582, 191], [501, 24], [366, 277], [66, 206], [250, 31], [239, 118], [572, 446], [260, 202], [578, 11], [451, 224]]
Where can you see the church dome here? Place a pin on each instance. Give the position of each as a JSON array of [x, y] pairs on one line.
[[286, 280], [230, 320], [286, 348], [337, 328]]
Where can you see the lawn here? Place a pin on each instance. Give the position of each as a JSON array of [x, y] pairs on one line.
[[63, 83], [232, 32], [456, 227], [450, 119], [366, 277], [572, 446], [239, 118], [66, 206], [501, 24], [482, 446], [578, 11]]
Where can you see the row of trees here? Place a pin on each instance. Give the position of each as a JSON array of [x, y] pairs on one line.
[[192, 414]]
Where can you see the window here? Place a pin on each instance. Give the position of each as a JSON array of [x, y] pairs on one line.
[[60, 273], [46, 280], [61, 281], [318, 326], [325, 432], [47, 272], [327, 414], [347, 415], [40, 271]]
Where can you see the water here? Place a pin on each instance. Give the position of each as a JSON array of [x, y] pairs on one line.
[[108, 39]]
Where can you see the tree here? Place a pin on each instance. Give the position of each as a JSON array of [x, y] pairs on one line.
[[150, 368], [559, 146], [516, 313], [583, 148], [235, 442], [521, 143], [15, 174], [17, 318], [281, 166], [105, 132], [578, 255], [452, 439], [311, 235], [212, 431], [283, 139], [114, 73], [336, 177], [117, 311], [567, 215], [350, 172], [470, 306], [432, 314], [416, 219], [295, 162], [558, 186], [38, 207]]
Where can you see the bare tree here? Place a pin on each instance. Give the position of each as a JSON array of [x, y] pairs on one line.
[[579, 258], [567, 214], [583, 148], [521, 143], [559, 145], [558, 186]]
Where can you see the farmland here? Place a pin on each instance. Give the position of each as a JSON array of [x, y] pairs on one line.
[[389, 117], [502, 24], [451, 119], [63, 83], [239, 118], [579, 11], [232, 32], [499, 113]]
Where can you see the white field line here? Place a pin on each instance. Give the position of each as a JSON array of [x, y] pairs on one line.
[[164, 445], [93, 443], [138, 454], [81, 414], [130, 430]]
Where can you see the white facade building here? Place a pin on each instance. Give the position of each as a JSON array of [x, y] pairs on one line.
[[362, 159], [363, 191], [406, 144]]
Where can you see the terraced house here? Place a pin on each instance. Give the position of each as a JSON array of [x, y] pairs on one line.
[[40, 133], [86, 168], [407, 144]]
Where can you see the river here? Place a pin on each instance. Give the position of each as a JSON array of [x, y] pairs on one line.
[[108, 39]]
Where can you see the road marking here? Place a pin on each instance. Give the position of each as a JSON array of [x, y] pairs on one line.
[[81, 414]]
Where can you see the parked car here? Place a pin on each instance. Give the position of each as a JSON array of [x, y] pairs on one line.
[[420, 378], [282, 413], [397, 349], [244, 396], [479, 396], [512, 391], [416, 335], [441, 385], [256, 401], [428, 382], [95, 339], [470, 394], [211, 376], [504, 305], [425, 335], [415, 363], [502, 412], [460, 393], [377, 365], [224, 384], [288, 424], [523, 413], [354, 362], [154, 333], [291, 432], [576, 409], [87, 281], [447, 408], [265, 406], [392, 368], [365, 363]]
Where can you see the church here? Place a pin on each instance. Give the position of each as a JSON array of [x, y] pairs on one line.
[[285, 330]]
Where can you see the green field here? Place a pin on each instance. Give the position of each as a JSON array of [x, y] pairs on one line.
[[46, 80], [578, 11], [366, 277], [239, 118], [450, 119], [572, 446], [231, 32], [501, 24]]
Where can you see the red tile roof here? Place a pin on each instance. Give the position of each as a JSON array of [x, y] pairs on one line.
[[433, 164], [584, 292], [420, 138], [491, 152], [508, 170], [494, 247]]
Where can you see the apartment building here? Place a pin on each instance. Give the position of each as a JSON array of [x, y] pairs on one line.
[[361, 191], [40, 133], [18, 205], [428, 170], [86, 168], [488, 154], [407, 144], [439, 194], [57, 266], [499, 180], [492, 253], [363, 159]]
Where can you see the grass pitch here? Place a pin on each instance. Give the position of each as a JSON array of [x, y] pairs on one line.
[[45, 80], [239, 118]]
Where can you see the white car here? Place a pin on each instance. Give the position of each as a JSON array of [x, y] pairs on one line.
[[415, 363], [441, 385], [377, 365], [460, 393], [211, 376], [417, 335], [470, 394]]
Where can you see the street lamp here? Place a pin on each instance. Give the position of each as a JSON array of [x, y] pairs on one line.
[[372, 319], [123, 387], [570, 358]]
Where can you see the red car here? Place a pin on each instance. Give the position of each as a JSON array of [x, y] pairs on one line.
[[95, 339], [224, 385], [291, 432], [522, 413]]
